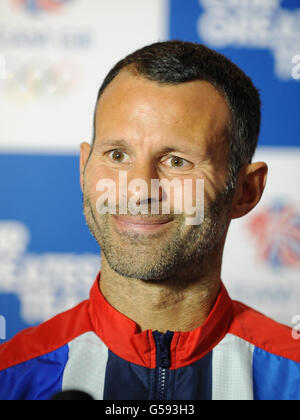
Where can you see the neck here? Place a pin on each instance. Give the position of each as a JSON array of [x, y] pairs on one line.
[[176, 304]]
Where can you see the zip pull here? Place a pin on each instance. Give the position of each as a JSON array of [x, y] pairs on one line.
[[163, 342]]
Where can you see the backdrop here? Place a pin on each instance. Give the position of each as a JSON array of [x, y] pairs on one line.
[[54, 55]]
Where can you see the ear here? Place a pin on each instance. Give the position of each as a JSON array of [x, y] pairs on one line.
[[85, 149], [251, 183]]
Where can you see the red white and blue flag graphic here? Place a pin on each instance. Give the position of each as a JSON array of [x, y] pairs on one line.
[[35, 6], [277, 233]]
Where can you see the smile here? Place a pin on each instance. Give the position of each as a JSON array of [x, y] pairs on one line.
[[141, 224]]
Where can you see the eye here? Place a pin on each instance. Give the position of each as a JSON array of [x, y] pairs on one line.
[[177, 162], [117, 155]]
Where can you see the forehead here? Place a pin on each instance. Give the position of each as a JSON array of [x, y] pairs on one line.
[[192, 110]]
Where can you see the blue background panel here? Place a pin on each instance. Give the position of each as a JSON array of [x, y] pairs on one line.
[[280, 99], [43, 192]]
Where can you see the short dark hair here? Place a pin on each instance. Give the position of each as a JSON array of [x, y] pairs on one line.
[[175, 62]]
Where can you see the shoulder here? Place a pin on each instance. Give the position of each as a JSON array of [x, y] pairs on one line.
[[263, 332], [52, 335]]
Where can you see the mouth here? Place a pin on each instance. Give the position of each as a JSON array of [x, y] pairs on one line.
[[141, 224]]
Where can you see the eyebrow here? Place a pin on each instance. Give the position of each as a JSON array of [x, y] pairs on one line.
[[169, 149], [123, 143]]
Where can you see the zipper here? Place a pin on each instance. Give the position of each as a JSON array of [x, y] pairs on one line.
[[163, 362]]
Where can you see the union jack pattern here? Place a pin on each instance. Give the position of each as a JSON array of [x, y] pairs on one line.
[[35, 6], [277, 232]]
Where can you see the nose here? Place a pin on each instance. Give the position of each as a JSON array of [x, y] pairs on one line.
[[140, 178]]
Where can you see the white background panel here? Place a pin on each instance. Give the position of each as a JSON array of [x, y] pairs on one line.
[[56, 61]]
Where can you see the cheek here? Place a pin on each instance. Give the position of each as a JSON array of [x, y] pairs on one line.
[[183, 196], [214, 183], [97, 173]]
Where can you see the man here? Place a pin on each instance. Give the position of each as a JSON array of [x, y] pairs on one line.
[[159, 323]]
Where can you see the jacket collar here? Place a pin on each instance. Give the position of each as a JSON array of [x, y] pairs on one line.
[[123, 337]]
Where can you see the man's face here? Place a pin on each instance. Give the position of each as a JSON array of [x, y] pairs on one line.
[[153, 131]]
